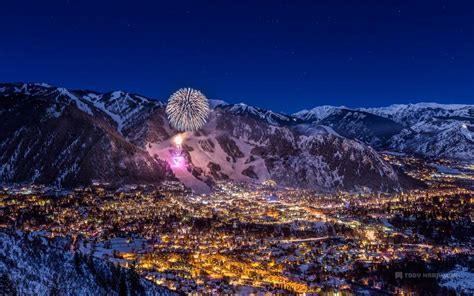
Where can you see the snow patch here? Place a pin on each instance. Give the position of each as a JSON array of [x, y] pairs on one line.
[[459, 279]]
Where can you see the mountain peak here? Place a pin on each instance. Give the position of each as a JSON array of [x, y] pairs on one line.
[[214, 103], [317, 113], [273, 118]]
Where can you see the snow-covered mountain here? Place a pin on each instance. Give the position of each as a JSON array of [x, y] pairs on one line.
[[122, 107], [33, 265], [70, 137], [243, 147], [411, 114], [317, 113], [431, 129], [370, 128], [54, 136], [269, 116], [428, 129]]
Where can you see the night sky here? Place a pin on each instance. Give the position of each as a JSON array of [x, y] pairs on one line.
[[283, 55]]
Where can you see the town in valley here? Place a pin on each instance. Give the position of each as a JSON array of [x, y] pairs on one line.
[[261, 237]]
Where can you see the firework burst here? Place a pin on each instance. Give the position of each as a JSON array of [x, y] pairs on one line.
[[187, 109]]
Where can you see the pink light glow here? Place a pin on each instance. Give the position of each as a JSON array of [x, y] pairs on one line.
[[178, 161]]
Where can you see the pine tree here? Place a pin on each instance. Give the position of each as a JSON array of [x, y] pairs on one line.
[[77, 262], [6, 286], [55, 288], [123, 285], [135, 286]]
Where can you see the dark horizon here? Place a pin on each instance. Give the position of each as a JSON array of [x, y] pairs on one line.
[[272, 54]]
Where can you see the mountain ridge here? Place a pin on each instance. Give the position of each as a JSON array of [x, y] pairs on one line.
[[126, 138], [425, 129]]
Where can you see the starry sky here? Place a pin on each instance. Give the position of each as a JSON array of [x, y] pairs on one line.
[[283, 55]]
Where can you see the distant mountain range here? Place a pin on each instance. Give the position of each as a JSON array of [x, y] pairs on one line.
[[64, 137], [427, 129]]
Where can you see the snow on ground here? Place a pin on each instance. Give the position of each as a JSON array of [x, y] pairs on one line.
[[401, 107], [465, 131], [315, 129], [80, 104], [96, 100], [120, 106], [201, 159], [165, 151], [37, 265], [112, 109], [271, 117], [459, 279], [317, 113], [446, 170]]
